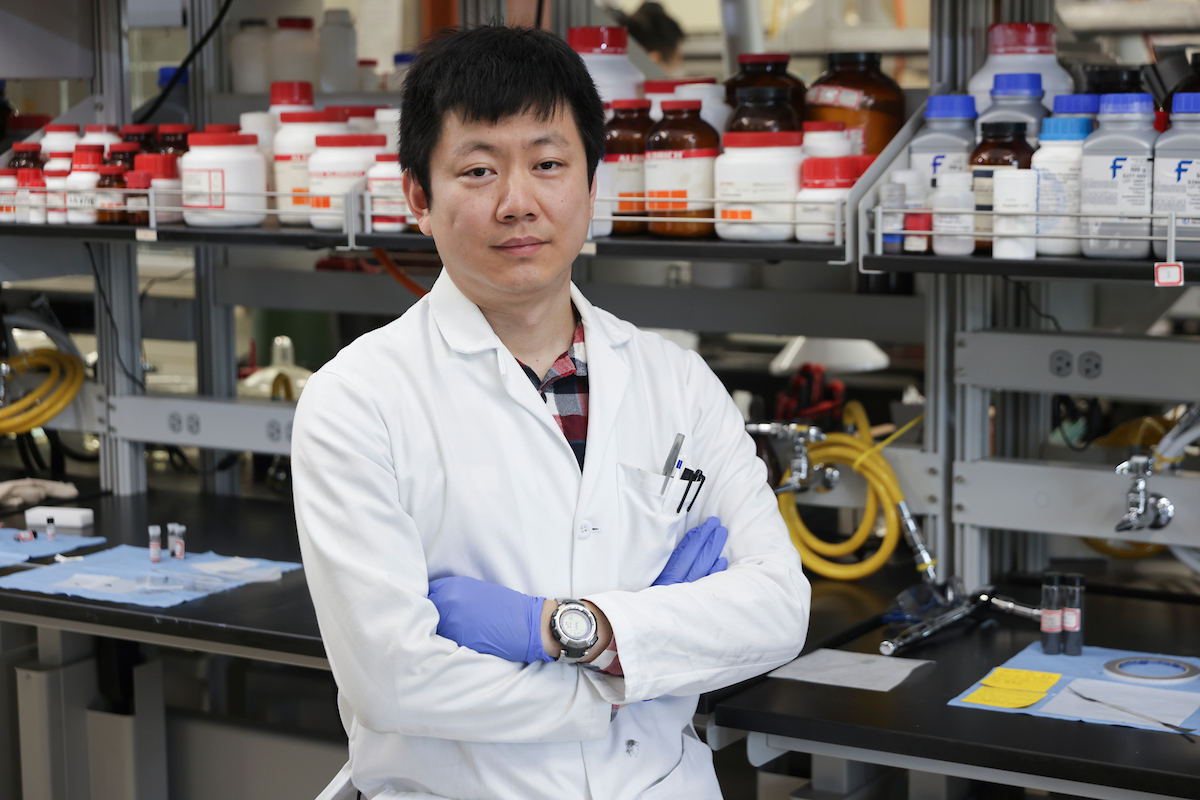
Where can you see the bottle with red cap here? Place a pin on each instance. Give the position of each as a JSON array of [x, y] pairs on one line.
[[766, 69], [824, 182], [56, 161], [1016, 47], [81, 184], [359, 119], [339, 162], [290, 96], [100, 134], [385, 182], [172, 137], [295, 141], [295, 51], [681, 151], [825, 139], [122, 153], [27, 155], [110, 196], [757, 178], [31, 196], [56, 195], [605, 52], [137, 203], [60, 138], [146, 136], [163, 169], [625, 156], [659, 89], [224, 181]]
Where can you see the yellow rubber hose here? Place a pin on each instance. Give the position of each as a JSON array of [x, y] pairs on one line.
[[1125, 550], [48, 400]]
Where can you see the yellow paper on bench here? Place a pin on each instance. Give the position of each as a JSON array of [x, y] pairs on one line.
[[1021, 679], [1003, 698]]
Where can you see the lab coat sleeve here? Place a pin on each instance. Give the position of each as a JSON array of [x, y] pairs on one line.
[[695, 637], [366, 570]]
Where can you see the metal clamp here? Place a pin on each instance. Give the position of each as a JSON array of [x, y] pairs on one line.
[[1144, 509]]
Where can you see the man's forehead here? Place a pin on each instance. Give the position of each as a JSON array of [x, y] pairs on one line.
[[525, 130]]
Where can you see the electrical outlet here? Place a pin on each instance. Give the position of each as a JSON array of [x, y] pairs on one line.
[[1061, 363], [1090, 364]]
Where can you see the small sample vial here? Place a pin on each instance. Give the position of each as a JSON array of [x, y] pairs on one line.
[[1072, 613], [24, 536], [155, 544], [175, 534], [1052, 616], [51, 532]]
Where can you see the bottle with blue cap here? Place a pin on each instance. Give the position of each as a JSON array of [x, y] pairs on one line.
[[1058, 163], [1177, 176], [1016, 97], [947, 139], [1078, 106], [1116, 178]]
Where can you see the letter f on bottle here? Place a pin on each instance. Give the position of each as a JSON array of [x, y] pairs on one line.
[[937, 162], [1116, 165], [1180, 169]]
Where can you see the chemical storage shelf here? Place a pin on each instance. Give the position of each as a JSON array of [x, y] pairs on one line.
[[1095, 269], [182, 234], [715, 249]]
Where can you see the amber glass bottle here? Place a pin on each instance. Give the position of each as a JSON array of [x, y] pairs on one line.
[[122, 153], [146, 136], [625, 154], [27, 155], [680, 154], [1003, 147], [766, 69], [763, 109], [172, 138], [110, 206], [854, 91]]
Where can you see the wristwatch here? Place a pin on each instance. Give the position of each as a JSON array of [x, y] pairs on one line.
[[574, 627]]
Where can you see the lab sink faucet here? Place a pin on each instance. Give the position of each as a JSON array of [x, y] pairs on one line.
[[1144, 509], [804, 475]]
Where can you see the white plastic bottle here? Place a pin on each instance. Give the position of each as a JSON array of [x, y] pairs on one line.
[[387, 122], [1057, 164], [56, 196], [368, 75], [264, 125], [602, 208], [713, 108], [385, 182], [249, 57], [754, 169], [340, 161], [81, 194], [1117, 176], [295, 52], [1177, 176], [31, 197], [57, 161], [953, 234], [1015, 98], [290, 97], [295, 141], [339, 52], [164, 180], [1021, 47], [60, 138], [1014, 191], [824, 182], [8, 195], [604, 50], [219, 163], [825, 139], [106, 135]]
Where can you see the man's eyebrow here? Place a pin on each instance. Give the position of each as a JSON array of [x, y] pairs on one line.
[[552, 137], [479, 145]]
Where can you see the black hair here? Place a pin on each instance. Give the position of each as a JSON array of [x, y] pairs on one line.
[[654, 29], [488, 73]]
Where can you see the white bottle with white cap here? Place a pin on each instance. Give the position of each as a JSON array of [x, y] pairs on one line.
[[1057, 165], [954, 234], [1015, 191]]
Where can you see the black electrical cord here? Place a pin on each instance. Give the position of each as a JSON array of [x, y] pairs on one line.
[[183, 65], [141, 383], [1032, 305]]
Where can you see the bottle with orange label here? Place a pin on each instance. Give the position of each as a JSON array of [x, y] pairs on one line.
[[625, 154], [855, 91], [680, 154]]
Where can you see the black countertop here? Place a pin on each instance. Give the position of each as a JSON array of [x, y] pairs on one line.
[[914, 720]]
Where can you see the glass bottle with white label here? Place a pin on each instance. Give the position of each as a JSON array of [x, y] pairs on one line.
[[1116, 178], [1177, 176], [625, 154], [1003, 147], [680, 154], [947, 138], [854, 90]]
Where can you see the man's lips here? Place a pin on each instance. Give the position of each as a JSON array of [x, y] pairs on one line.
[[523, 246]]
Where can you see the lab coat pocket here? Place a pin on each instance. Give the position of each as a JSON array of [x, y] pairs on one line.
[[649, 524], [648, 486], [692, 778]]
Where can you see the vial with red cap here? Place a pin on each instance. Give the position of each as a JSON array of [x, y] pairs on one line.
[[224, 181], [57, 160], [81, 184], [681, 151], [339, 162], [110, 195], [824, 183], [757, 178], [290, 96], [605, 52], [294, 142], [121, 154], [766, 69], [1016, 47], [56, 195], [137, 200], [163, 169], [295, 51]]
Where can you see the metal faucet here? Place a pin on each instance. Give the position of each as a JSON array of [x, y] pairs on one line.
[[6, 372], [1144, 509], [804, 474]]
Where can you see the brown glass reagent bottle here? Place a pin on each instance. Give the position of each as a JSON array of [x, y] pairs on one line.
[[855, 91], [762, 109], [680, 154], [766, 69], [625, 154], [1003, 147]]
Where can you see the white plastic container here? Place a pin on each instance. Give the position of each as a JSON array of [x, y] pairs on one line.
[[1015, 191], [218, 163], [60, 138], [1057, 164], [824, 181], [249, 57], [262, 124], [387, 122], [57, 161], [385, 182], [954, 234], [1021, 47], [164, 180], [81, 194], [368, 75], [290, 97], [602, 208], [106, 135], [8, 195], [605, 52], [339, 52], [295, 53], [826, 140], [340, 161], [1016, 98], [295, 141], [56, 196], [1116, 177], [754, 169], [713, 108], [31, 197]]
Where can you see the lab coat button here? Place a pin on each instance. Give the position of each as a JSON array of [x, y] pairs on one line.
[[585, 530]]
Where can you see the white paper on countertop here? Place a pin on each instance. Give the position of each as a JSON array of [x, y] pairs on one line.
[[1164, 705], [853, 670]]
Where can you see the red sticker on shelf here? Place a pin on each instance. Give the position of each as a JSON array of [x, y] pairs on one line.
[[1168, 273]]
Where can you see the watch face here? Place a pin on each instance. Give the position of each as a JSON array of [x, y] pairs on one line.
[[574, 624]]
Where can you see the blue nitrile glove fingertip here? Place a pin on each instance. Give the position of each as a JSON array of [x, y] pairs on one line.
[[721, 565], [535, 651]]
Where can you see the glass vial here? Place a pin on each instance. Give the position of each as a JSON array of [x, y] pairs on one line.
[[1052, 613], [1072, 613]]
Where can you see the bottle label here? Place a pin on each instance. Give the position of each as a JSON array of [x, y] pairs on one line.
[[1057, 190], [291, 177], [930, 165], [1052, 620], [983, 193], [628, 173], [203, 188], [953, 223], [55, 201], [754, 194], [679, 175], [137, 201], [1072, 619], [387, 199], [8, 200], [81, 199], [838, 96], [815, 221], [1116, 184], [328, 188], [109, 200], [1177, 188]]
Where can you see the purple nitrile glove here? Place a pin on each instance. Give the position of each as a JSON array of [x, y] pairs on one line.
[[489, 619], [698, 554]]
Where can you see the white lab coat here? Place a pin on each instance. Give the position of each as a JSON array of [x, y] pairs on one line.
[[422, 451]]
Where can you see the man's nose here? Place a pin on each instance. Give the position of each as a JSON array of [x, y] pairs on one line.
[[519, 198]]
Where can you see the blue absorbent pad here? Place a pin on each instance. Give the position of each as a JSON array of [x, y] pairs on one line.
[[1089, 666], [125, 574], [14, 552]]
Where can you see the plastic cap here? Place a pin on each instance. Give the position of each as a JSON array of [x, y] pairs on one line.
[[290, 117], [404, 58], [368, 62], [222, 127], [1024, 84], [1077, 104], [669, 85], [59, 155], [1114, 80], [5, 172], [83, 158], [829, 173], [166, 73], [864, 162], [222, 140], [1065, 129], [296, 23], [1186, 103], [111, 169], [137, 129], [169, 128], [291, 93], [1134, 103], [387, 157], [764, 58], [1003, 129], [343, 113], [125, 147], [1073, 579], [59, 128], [763, 94], [950, 106], [338, 15], [55, 173], [27, 176], [817, 126], [955, 181], [353, 140], [1021, 38], [764, 139], [1051, 578], [27, 147], [159, 165], [89, 148], [640, 104], [681, 105], [138, 179], [99, 128], [598, 39]]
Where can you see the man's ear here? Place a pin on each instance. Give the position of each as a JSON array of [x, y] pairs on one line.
[[595, 186], [418, 202]]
